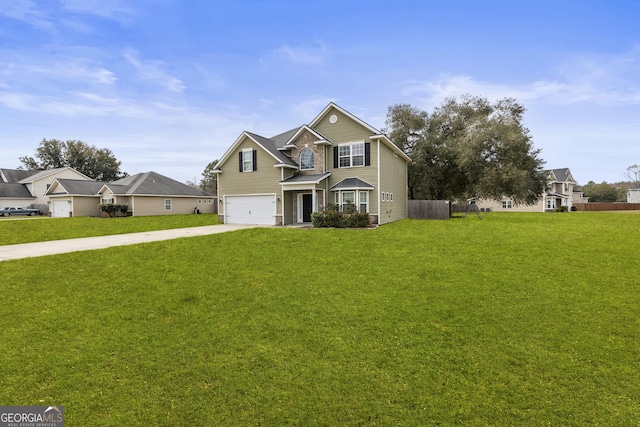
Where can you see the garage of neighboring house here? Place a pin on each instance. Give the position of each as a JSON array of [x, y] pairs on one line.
[[254, 209], [60, 208]]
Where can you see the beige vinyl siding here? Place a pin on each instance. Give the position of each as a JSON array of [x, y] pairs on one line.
[[85, 206], [346, 130], [154, 205], [393, 180], [343, 130], [39, 187], [263, 181], [496, 206]]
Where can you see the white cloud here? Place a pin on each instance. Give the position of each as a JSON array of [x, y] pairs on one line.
[[612, 80], [117, 10], [301, 55], [26, 11], [152, 72]]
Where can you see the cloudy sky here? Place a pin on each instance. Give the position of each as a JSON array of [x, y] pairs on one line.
[[168, 85]]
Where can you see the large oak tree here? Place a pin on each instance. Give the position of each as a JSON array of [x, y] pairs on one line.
[[468, 147], [96, 163]]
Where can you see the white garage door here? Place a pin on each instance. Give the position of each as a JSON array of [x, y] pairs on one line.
[[61, 209], [250, 209]]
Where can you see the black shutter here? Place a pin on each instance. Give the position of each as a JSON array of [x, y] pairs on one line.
[[367, 154], [335, 157], [255, 160], [240, 161]]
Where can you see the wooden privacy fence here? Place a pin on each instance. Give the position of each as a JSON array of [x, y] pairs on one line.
[[607, 206], [428, 209]]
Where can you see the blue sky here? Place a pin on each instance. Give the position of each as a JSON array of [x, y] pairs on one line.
[[168, 85]]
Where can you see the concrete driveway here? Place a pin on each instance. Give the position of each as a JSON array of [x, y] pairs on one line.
[[27, 250]]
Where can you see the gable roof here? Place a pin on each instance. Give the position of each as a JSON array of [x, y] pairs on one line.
[[153, 184], [14, 175], [561, 175], [48, 172], [267, 144], [375, 133], [13, 190], [352, 184], [275, 145], [74, 187]]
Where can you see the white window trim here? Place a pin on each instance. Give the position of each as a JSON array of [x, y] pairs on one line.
[[168, 204], [366, 203], [339, 198], [249, 152], [351, 155], [313, 160]]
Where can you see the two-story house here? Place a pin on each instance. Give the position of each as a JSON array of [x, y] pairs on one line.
[[560, 192], [336, 159]]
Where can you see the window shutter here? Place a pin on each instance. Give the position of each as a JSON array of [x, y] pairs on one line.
[[367, 154], [335, 157], [240, 161], [255, 160]]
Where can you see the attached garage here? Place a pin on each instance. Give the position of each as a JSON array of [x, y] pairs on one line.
[[254, 209], [60, 208]]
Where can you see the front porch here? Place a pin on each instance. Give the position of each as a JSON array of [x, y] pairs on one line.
[[303, 195]]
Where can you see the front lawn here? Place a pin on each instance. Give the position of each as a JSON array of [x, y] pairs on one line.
[[44, 229], [515, 319]]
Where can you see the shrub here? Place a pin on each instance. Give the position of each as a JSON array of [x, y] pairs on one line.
[[114, 210], [561, 209], [333, 217]]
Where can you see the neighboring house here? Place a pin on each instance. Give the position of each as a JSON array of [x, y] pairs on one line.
[[27, 188], [579, 197], [633, 195], [560, 192], [336, 159], [145, 194]]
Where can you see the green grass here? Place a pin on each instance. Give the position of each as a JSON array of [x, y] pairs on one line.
[[44, 229], [515, 319]]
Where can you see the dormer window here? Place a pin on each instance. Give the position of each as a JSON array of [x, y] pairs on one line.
[[306, 159]]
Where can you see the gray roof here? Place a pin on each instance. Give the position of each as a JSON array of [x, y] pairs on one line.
[[154, 184], [80, 187], [42, 174], [282, 139], [270, 145], [13, 190], [298, 179], [352, 183], [14, 175], [562, 174]]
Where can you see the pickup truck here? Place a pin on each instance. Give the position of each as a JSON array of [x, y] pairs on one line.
[[17, 210]]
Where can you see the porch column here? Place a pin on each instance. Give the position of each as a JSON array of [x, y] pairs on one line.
[[314, 200]]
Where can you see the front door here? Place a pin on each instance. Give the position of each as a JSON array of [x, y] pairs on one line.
[[307, 207]]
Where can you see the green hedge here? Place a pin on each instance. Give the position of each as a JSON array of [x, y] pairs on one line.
[[114, 210], [333, 217]]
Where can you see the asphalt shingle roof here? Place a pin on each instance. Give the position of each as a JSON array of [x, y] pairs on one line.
[[13, 190], [14, 175], [152, 183]]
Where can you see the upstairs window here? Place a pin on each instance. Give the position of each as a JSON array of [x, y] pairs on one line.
[[306, 159], [248, 160], [352, 155]]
